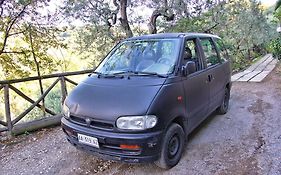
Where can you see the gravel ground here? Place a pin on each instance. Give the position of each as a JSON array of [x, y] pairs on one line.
[[247, 140]]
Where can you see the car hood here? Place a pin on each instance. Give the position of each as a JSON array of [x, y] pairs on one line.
[[108, 98]]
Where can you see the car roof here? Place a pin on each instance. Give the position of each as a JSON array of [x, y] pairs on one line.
[[171, 35]]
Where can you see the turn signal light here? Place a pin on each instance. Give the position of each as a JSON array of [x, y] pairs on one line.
[[133, 147]]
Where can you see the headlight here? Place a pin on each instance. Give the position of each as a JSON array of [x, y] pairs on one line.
[[136, 122], [65, 111]]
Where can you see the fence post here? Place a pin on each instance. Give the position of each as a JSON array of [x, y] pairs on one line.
[[7, 109], [63, 89]]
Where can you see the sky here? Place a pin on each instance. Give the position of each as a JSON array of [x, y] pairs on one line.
[[268, 2]]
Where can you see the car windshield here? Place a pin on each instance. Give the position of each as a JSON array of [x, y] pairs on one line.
[[156, 56]]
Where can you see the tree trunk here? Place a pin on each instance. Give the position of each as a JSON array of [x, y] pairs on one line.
[[152, 22], [156, 13], [124, 19], [159, 12], [38, 71]]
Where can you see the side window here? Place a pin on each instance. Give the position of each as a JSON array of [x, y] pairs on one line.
[[222, 49], [190, 44], [210, 52], [190, 53]]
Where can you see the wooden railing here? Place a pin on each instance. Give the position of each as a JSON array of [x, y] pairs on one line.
[[10, 125]]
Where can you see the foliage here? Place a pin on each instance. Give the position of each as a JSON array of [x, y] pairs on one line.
[[278, 4], [275, 47], [242, 25], [53, 101], [19, 22]]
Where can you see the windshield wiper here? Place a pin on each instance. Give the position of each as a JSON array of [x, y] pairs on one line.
[[94, 72], [105, 75], [124, 72], [150, 73], [141, 73]]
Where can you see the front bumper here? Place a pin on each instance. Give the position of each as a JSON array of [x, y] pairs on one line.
[[109, 142]]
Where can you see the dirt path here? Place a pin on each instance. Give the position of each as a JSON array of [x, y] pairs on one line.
[[247, 140]]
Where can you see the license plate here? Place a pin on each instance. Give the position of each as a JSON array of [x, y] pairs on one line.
[[88, 140]]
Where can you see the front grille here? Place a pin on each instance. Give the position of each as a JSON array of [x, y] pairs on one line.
[[93, 123]]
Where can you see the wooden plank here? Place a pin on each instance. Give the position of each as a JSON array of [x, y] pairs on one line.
[[264, 64], [258, 63], [3, 129], [70, 81], [7, 109], [36, 124], [63, 89], [30, 100], [249, 76], [260, 76], [36, 103], [271, 65], [3, 123], [236, 77], [1, 86], [256, 70], [46, 76]]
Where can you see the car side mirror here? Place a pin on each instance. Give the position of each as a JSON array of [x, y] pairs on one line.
[[188, 68]]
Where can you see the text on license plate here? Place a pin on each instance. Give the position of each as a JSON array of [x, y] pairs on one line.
[[92, 141]]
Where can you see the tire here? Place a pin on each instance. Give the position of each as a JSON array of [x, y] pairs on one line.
[[172, 147], [223, 108]]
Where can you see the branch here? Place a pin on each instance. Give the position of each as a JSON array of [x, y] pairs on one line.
[[6, 34], [156, 13], [114, 14], [14, 52], [211, 28], [16, 33], [1, 3]]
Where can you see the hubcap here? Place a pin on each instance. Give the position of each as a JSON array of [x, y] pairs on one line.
[[173, 146]]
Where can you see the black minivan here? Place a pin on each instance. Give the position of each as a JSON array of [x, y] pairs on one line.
[[147, 95]]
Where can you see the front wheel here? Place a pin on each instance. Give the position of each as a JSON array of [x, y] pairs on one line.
[[172, 147], [223, 108]]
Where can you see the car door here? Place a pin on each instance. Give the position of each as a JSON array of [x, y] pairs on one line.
[[215, 72], [195, 86]]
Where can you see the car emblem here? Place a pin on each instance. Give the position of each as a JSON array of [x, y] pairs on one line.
[[88, 121]]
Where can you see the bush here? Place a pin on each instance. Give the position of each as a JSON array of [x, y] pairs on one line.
[[53, 101], [275, 47], [239, 63]]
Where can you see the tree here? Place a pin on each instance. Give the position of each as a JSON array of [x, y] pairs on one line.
[[100, 15], [277, 12], [278, 4], [107, 22], [16, 19], [242, 25]]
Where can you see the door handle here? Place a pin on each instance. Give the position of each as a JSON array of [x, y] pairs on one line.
[[210, 78]]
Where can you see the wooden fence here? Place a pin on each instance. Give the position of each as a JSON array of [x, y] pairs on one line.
[[12, 126]]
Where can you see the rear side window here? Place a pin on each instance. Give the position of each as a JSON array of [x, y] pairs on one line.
[[210, 52], [221, 49]]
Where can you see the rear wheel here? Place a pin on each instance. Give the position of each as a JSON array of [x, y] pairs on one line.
[[172, 147], [225, 103]]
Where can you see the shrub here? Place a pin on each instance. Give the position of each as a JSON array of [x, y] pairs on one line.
[[275, 47]]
